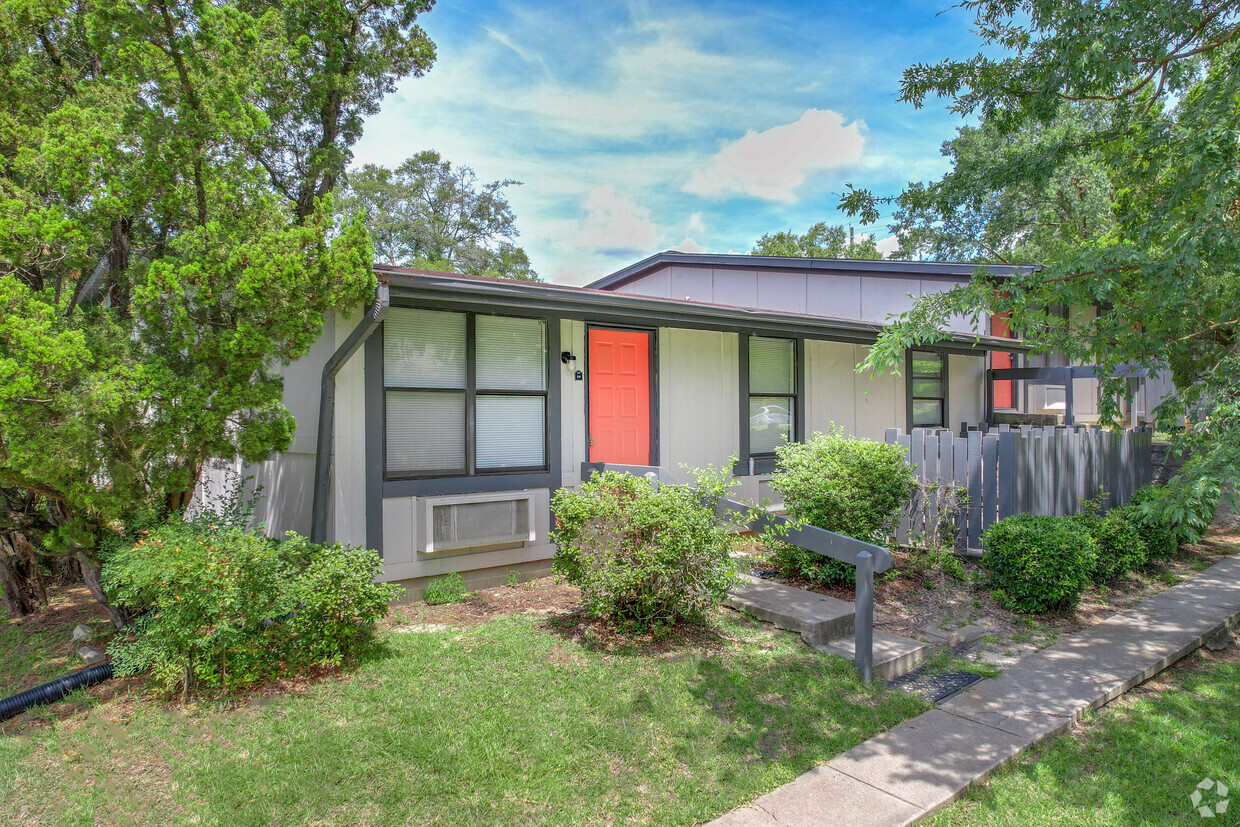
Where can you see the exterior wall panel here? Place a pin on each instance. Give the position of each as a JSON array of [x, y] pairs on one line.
[[692, 283], [838, 296], [738, 288], [699, 398], [572, 404], [966, 376], [347, 522]]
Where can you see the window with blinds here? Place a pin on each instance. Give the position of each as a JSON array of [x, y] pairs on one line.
[[463, 393], [927, 383], [772, 393]]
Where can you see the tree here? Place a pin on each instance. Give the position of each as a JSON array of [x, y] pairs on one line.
[[427, 213], [961, 217], [1144, 95], [819, 241], [167, 240]]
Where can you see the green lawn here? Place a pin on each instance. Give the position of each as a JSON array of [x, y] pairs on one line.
[[509, 722], [1135, 762]]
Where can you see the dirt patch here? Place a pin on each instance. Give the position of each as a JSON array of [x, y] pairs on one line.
[[603, 636], [542, 596], [46, 651]]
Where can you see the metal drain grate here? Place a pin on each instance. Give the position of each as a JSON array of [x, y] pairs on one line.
[[933, 686], [764, 574]]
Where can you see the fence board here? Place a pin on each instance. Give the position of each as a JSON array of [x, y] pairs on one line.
[[974, 453], [960, 477], [990, 476]]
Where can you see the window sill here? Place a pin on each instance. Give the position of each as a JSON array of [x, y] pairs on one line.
[[466, 485]]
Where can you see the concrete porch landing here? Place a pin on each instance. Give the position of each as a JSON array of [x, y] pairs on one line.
[[908, 772]]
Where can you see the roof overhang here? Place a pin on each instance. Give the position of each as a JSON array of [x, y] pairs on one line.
[[605, 307], [892, 268]]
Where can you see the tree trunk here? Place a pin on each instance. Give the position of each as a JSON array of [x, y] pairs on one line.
[[91, 571], [118, 265], [20, 578]]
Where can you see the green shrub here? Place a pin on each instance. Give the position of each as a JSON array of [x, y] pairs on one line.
[[643, 557], [1162, 539], [1036, 564], [449, 589], [843, 484], [336, 597], [1120, 546], [224, 607]]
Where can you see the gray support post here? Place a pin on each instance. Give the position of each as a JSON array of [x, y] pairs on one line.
[[863, 625]]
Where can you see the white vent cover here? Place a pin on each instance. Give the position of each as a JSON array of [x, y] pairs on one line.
[[463, 525]]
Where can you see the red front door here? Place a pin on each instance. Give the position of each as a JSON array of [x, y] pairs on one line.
[[998, 359], [619, 396]]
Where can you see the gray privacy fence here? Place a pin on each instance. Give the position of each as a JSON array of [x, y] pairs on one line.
[[1018, 470]]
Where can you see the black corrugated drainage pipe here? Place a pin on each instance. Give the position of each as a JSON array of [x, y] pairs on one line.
[[53, 691], [327, 409]]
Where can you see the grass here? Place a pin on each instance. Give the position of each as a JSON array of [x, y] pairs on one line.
[[1135, 762], [511, 722]]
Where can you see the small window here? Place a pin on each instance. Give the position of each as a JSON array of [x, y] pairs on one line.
[[443, 371], [772, 394], [927, 384]]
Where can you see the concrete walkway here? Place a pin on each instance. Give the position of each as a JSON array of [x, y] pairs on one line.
[[906, 773]]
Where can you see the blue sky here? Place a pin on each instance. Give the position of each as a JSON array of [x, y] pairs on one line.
[[644, 126]]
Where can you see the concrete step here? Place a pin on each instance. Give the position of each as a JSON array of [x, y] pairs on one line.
[[894, 655], [827, 624], [818, 618]]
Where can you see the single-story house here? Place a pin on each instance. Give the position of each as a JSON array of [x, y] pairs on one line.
[[457, 405]]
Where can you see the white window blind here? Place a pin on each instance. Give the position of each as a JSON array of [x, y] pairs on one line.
[[511, 353], [772, 366], [423, 349], [425, 432], [510, 432]]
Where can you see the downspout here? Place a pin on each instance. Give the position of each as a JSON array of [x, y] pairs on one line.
[[327, 408]]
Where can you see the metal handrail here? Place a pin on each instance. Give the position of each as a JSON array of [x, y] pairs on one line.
[[870, 559]]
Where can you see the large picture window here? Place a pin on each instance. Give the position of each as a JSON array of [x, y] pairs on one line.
[[927, 383], [464, 394], [772, 394]]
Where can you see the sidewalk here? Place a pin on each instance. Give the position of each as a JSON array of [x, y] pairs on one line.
[[908, 772]]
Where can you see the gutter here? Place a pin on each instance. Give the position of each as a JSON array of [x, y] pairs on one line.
[[327, 407]]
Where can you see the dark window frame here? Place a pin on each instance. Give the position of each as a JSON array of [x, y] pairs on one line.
[[767, 458], [471, 393], [911, 378]]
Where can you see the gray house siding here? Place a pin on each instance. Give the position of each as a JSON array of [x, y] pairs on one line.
[[873, 297]]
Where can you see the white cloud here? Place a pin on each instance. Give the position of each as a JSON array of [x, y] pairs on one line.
[[773, 164], [615, 223], [688, 245], [888, 245], [696, 224]]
